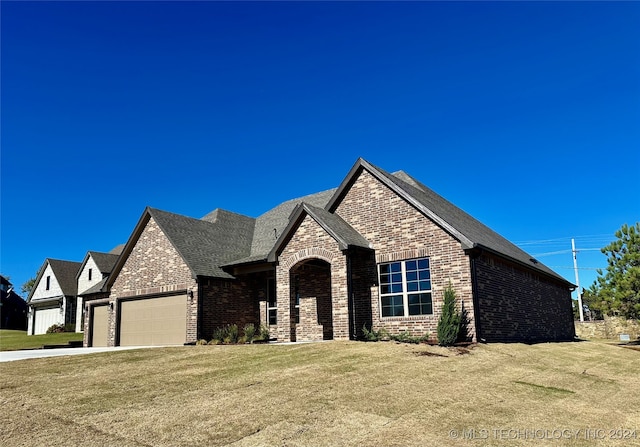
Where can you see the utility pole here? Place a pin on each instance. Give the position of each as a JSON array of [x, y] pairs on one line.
[[575, 268]]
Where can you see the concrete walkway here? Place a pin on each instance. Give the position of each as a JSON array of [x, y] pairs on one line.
[[11, 356]]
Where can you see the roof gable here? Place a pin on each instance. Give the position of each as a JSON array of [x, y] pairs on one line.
[[104, 261], [203, 244], [469, 231], [343, 233], [270, 225], [65, 275]]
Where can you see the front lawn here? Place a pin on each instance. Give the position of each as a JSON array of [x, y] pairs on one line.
[[14, 340], [327, 394]]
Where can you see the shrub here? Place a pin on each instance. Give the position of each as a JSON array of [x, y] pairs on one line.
[[55, 329], [221, 333], [232, 334], [215, 341], [249, 332], [201, 342], [263, 333], [373, 335], [450, 320]]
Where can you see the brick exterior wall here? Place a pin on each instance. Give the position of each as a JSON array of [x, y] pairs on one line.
[[226, 302], [311, 241], [154, 268], [398, 231], [518, 304]]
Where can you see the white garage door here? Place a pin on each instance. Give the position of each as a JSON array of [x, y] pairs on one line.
[[99, 326], [154, 321], [46, 317]]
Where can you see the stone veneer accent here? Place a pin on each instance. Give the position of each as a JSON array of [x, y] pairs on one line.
[[398, 231]]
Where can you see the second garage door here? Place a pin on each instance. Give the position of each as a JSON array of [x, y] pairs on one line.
[[99, 325], [154, 321]]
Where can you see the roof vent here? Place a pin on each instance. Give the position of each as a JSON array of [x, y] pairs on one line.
[[535, 261]]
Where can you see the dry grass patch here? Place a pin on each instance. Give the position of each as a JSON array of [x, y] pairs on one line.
[[338, 393]]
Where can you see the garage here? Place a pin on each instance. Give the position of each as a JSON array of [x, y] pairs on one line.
[[99, 325], [45, 317], [154, 321]]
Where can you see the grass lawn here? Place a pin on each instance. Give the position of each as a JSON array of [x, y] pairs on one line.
[[327, 394], [14, 340]]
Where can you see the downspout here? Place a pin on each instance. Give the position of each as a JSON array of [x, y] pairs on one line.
[[200, 284], [350, 299], [473, 255]]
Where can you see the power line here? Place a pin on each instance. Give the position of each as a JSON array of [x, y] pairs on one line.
[[560, 252], [571, 267], [593, 238]]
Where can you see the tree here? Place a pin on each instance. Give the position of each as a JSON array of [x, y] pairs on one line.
[[616, 291], [450, 320], [28, 286]]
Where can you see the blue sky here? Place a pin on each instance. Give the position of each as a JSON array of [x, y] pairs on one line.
[[525, 115]]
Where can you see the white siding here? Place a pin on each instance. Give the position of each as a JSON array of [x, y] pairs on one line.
[[41, 288], [79, 313], [83, 280], [40, 292]]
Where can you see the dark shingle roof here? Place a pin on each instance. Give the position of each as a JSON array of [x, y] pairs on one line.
[[270, 225], [206, 244], [104, 261], [65, 272], [468, 230], [97, 288], [117, 250]]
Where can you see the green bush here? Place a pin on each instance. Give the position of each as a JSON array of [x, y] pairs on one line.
[[373, 335], [450, 320], [56, 329], [201, 342], [233, 333], [263, 333], [249, 332], [220, 333]]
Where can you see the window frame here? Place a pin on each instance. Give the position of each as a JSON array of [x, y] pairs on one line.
[[417, 282], [272, 302]]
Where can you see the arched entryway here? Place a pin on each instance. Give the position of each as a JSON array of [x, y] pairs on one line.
[[310, 292]]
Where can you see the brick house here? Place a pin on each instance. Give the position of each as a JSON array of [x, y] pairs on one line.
[[376, 252]]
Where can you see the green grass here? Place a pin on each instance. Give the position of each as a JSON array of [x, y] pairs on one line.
[[326, 394], [15, 340]]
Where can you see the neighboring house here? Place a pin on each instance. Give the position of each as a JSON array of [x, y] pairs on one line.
[[13, 309], [93, 273], [53, 297], [376, 252]]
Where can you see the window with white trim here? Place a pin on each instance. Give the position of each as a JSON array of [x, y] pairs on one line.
[[405, 288], [272, 304]]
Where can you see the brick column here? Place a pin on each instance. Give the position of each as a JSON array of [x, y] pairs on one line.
[[339, 298], [308, 329], [283, 299]]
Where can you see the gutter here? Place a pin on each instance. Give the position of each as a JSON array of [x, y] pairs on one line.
[[45, 301]]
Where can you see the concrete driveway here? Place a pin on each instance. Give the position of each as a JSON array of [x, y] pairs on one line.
[[11, 356]]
